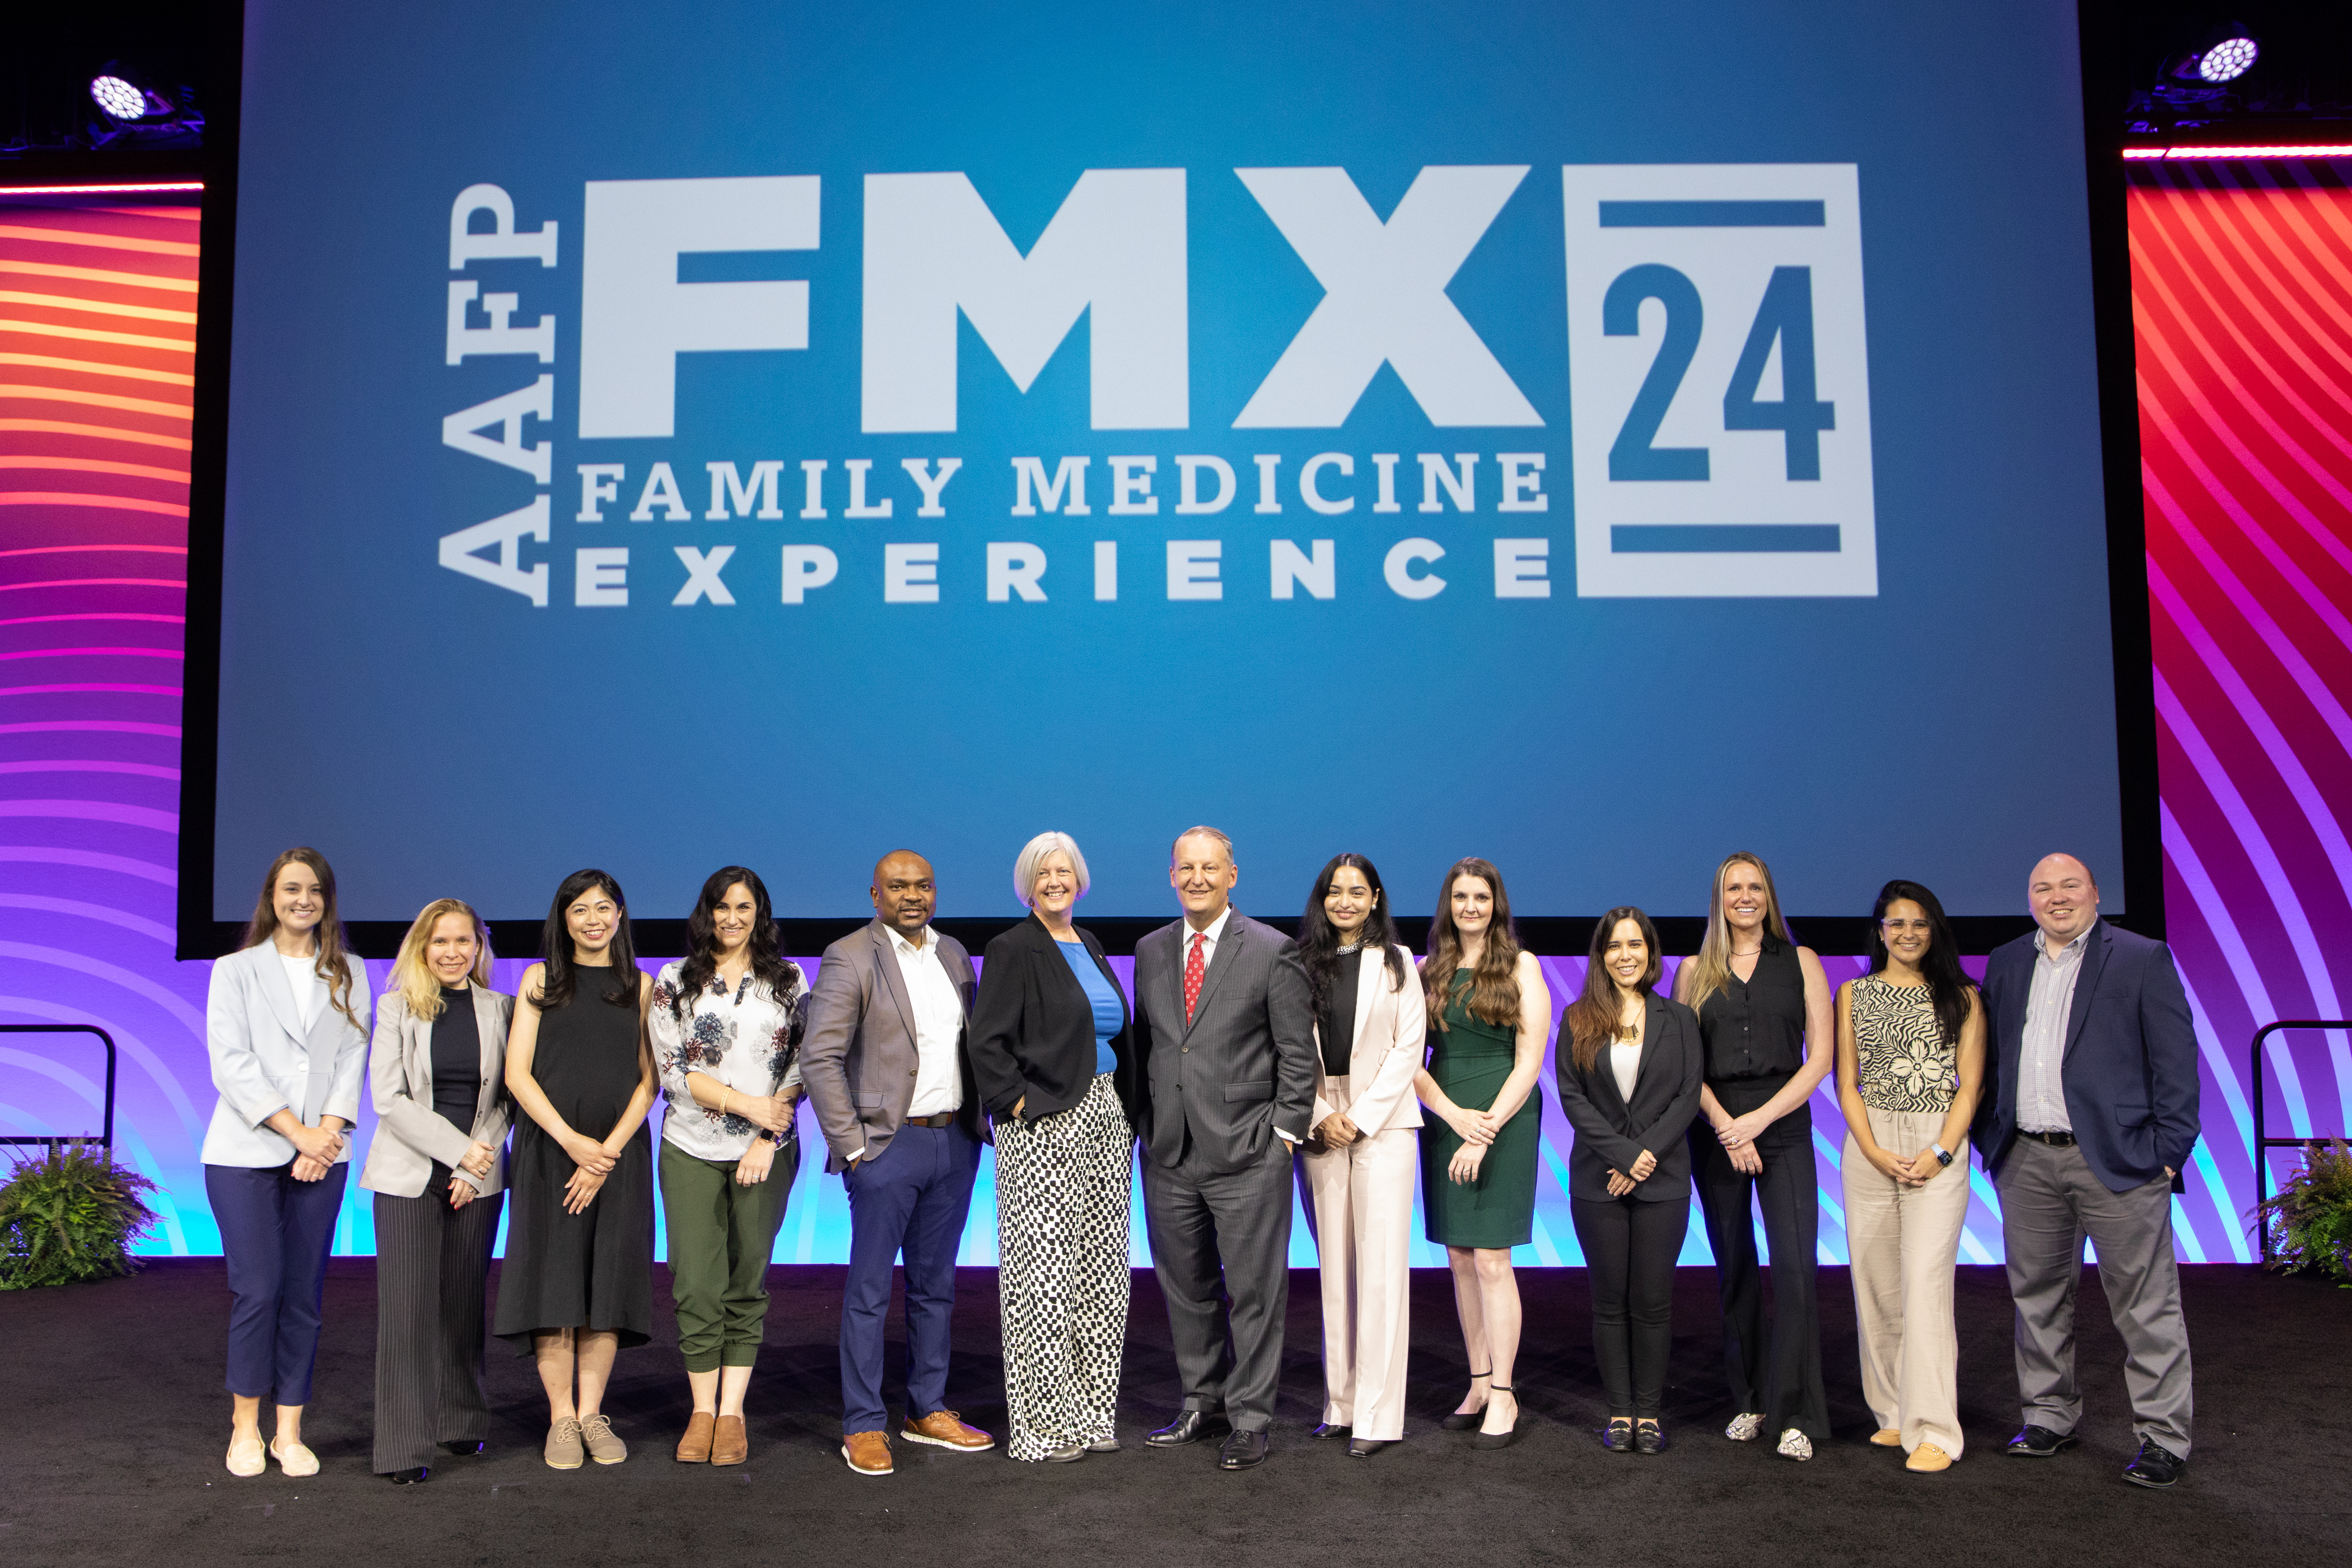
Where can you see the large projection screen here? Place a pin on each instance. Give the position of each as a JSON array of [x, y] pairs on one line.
[[1591, 436]]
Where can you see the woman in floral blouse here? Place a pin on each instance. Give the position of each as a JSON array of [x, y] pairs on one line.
[[726, 1025]]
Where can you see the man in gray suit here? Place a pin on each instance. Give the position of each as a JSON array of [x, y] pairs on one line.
[[1225, 1032], [886, 1066]]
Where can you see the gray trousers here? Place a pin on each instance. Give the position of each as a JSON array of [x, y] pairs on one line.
[[433, 1264], [2049, 1202], [1223, 1236]]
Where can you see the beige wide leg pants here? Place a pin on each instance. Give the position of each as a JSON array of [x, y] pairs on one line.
[[1904, 1242], [1363, 1229]]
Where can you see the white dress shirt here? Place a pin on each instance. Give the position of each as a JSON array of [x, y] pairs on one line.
[[938, 1024], [1209, 940], [2041, 1054]]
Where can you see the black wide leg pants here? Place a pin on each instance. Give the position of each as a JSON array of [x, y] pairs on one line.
[[1779, 1377], [433, 1265]]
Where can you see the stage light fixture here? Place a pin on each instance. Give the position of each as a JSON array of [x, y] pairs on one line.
[[118, 97], [2227, 59]]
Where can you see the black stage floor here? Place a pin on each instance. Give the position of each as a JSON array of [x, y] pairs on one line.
[[113, 1424]]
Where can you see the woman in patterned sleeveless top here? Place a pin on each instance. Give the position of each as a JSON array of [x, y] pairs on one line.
[[1910, 1058]]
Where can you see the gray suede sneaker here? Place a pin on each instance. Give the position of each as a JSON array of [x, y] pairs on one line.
[[563, 1449], [603, 1448]]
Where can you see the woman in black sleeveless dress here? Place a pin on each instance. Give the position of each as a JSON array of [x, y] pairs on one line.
[[577, 1285], [1763, 1005]]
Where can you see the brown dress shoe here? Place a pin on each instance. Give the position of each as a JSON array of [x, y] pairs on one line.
[[728, 1443], [694, 1448], [869, 1452], [940, 1430]]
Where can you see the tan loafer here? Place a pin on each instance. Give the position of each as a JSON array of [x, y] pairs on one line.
[[869, 1452], [1886, 1437], [564, 1451], [603, 1445], [1928, 1459], [941, 1429], [694, 1448], [294, 1458], [730, 1444], [247, 1457]]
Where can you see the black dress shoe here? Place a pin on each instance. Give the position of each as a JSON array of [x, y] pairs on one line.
[[411, 1478], [1618, 1436], [1649, 1437], [461, 1448], [1241, 1450], [1365, 1448], [1328, 1431], [2156, 1466], [1502, 1439], [2039, 1442], [1189, 1426]]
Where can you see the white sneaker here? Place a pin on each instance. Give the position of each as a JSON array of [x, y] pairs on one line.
[[1744, 1429], [1795, 1445]]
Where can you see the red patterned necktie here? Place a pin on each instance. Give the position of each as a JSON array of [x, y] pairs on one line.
[[1193, 968]]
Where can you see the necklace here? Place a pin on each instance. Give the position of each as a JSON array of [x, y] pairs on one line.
[[1349, 948]]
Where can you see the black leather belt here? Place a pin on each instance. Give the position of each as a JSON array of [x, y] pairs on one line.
[[2055, 1139], [947, 1119]]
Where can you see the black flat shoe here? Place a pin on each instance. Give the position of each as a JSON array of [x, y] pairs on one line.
[[2156, 1466], [1499, 1439], [1189, 1426], [2039, 1442], [1241, 1450], [412, 1478], [1328, 1431], [1649, 1437], [1068, 1456], [1618, 1436], [1466, 1420], [1365, 1448], [461, 1448]]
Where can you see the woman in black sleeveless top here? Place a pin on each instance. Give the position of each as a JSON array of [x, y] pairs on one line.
[[1763, 1005]]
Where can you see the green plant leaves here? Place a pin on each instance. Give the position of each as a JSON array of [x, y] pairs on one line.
[[2310, 1218], [69, 1216]]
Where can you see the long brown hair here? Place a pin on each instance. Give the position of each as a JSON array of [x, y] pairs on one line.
[[1710, 971], [1595, 1018], [1493, 994], [334, 964], [414, 979]]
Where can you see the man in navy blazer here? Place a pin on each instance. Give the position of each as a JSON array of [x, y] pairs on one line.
[[2088, 1116]]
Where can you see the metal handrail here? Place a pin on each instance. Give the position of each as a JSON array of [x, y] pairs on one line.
[[2262, 1144], [106, 1138]]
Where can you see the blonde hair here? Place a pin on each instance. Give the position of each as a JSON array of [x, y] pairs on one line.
[[1710, 971], [1034, 854], [413, 978]]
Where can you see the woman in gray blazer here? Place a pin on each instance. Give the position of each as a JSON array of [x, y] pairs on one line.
[[285, 1025], [437, 1168]]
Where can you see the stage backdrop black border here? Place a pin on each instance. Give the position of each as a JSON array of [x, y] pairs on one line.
[[2104, 83]]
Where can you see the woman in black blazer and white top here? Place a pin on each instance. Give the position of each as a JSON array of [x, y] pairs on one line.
[[437, 1168], [1052, 1057], [1630, 1068]]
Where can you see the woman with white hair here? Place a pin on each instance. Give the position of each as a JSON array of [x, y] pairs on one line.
[[1052, 1055]]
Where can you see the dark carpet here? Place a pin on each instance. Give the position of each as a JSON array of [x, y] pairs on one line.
[[112, 1424]]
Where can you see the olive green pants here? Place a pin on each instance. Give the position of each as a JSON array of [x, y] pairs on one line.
[[722, 1234]]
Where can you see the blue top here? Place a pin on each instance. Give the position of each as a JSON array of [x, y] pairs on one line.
[[1110, 1013]]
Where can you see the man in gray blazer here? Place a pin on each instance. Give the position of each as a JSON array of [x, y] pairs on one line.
[[1225, 1032], [2088, 1114], [886, 1069]]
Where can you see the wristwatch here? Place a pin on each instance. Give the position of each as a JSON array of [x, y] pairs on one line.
[[1942, 1158]]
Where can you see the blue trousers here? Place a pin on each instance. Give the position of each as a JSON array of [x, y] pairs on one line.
[[910, 1198], [275, 1233]]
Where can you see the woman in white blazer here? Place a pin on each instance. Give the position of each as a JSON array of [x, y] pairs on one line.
[[1363, 1153], [437, 1168], [285, 1024]]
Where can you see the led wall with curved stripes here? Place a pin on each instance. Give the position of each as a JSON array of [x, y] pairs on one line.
[[2242, 281]]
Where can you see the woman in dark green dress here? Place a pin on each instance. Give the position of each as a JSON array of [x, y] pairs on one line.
[[1489, 1018]]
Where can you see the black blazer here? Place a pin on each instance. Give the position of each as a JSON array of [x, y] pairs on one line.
[[1032, 1029], [1612, 1134]]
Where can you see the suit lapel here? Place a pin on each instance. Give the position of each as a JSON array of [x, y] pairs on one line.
[[1653, 1018], [278, 993], [886, 962], [1166, 979], [1372, 979], [1221, 958], [2078, 1006], [486, 1024]]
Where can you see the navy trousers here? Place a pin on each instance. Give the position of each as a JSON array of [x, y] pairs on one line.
[[275, 1233], [912, 1198]]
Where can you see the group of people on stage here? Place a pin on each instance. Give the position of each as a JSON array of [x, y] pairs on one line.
[[1242, 1057]]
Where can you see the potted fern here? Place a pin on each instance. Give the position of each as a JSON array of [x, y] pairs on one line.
[[69, 1216], [2310, 1218]]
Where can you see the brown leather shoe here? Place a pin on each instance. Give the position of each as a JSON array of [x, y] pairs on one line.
[[940, 1430], [869, 1452], [694, 1448], [730, 1445]]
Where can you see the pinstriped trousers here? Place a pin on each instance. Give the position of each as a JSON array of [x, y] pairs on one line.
[[433, 1264]]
